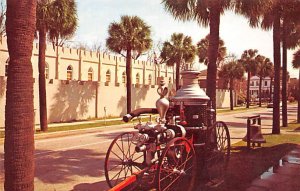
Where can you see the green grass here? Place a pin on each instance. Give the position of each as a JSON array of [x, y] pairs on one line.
[[292, 127], [84, 126], [236, 109]]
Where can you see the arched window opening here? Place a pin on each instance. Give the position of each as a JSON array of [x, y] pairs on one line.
[[137, 78], [108, 76], [6, 67], [124, 78], [69, 72], [90, 74], [149, 79]]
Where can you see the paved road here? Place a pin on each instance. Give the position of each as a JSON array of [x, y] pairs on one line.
[[74, 162]]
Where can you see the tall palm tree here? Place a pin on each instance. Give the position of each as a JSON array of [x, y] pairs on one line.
[[248, 61], [130, 35], [269, 12], [57, 18], [264, 69], [19, 114], [290, 40], [64, 15], [296, 64], [206, 13], [177, 51], [232, 71], [202, 51]]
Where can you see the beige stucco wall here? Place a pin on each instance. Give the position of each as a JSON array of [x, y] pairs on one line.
[[76, 99], [223, 98]]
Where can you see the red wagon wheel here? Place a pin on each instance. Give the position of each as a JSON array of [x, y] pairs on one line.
[[121, 159], [177, 166], [218, 153]]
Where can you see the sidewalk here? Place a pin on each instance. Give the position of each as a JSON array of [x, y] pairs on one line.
[[284, 176]]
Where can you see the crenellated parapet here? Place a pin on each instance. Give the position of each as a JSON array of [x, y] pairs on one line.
[[64, 63]]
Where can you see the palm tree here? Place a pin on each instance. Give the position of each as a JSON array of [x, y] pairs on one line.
[[290, 40], [271, 84], [2, 20], [296, 64], [248, 61], [202, 51], [205, 13], [58, 19], [64, 15], [132, 34], [269, 12], [177, 51], [232, 71], [19, 110], [264, 69]]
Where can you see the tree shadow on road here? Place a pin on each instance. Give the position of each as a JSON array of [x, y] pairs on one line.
[[236, 124], [62, 166]]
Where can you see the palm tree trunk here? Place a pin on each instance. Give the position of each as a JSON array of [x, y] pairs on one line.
[[271, 88], [128, 79], [284, 76], [298, 116], [276, 54], [56, 62], [42, 80], [260, 83], [248, 90], [231, 93], [19, 110], [214, 25], [177, 74]]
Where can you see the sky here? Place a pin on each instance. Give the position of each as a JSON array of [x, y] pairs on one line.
[[96, 15]]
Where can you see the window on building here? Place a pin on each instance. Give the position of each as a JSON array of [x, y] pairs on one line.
[[266, 83], [149, 79], [69, 72], [170, 80], [47, 71], [124, 78], [6, 67], [257, 83], [90, 74], [108, 76], [137, 78], [252, 83]]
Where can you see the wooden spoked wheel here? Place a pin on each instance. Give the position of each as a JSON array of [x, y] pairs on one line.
[[218, 153], [177, 166], [121, 159]]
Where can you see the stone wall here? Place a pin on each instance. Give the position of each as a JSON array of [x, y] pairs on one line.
[[75, 100], [79, 98]]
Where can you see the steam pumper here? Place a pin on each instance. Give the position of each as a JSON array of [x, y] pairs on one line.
[[184, 143]]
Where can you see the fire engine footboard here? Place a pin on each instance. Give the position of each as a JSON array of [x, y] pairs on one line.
[[131, 183]]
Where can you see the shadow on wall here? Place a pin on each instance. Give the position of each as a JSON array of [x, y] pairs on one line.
[[137, 96], [2, 86], [71, 101]]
